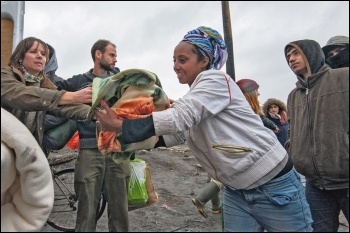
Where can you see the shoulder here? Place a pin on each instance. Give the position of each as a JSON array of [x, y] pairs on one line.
[[215, 76], [9, 72], [340, 72]]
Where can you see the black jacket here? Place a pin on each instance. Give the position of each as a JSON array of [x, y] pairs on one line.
[[87, 130]]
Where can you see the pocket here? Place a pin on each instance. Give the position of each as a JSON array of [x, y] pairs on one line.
[[282, 192], [279, 199]]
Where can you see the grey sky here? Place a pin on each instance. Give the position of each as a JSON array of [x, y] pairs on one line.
[[147, 32]]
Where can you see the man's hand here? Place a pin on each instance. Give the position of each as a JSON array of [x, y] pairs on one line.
[[107, 119]]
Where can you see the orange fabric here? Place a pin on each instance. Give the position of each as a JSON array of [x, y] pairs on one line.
[[136, 108], [73, 143]]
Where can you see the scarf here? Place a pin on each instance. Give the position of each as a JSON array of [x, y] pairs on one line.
[[31, 78], [210, 43]]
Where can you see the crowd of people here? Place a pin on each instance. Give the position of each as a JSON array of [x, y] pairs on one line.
[[255, 154]]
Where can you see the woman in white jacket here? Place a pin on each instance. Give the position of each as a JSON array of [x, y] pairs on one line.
[[262, 190], [26, 182]]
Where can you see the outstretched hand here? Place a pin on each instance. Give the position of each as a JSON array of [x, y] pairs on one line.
[[84, 95], [107, 119]]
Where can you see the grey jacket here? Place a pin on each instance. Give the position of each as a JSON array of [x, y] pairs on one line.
[[318, 111], [214, 114], [29, 103]]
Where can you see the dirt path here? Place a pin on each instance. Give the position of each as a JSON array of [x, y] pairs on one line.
[[177, 178]]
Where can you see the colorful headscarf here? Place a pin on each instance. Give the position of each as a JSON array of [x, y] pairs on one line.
[[210, 44]]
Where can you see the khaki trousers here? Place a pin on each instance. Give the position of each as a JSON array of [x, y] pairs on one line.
[[95, 172]]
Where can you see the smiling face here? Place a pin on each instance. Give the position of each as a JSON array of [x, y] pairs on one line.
[[35, 59], [186, 64]]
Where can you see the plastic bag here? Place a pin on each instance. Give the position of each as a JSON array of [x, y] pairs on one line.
[[137, 191]]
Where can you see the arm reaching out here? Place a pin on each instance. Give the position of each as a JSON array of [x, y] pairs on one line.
[[82, 96]]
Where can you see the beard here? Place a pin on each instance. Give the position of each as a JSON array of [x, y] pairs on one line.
[[106, 66], [340, 60]]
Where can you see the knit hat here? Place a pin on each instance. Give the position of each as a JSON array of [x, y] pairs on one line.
[[335, 41], [247, 85]]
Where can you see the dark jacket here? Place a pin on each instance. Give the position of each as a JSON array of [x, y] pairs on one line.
[[318, 111], [87, 130], [268, 123], [282, 134]]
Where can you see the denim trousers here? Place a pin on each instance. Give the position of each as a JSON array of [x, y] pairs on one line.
[[278, 205], [94, 173], [325, 207]]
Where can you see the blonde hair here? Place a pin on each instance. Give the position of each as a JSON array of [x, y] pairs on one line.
[[252, 98]]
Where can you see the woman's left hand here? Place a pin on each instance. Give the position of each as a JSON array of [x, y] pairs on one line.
[[107, 119]]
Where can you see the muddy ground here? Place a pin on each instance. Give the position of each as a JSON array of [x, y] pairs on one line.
[[177, 178]]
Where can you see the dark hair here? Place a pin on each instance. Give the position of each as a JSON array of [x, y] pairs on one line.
[[101, 46], [200, 56], [23, 47]]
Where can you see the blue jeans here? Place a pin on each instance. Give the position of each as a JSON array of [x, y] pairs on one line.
[[325, 207], [278, 205]]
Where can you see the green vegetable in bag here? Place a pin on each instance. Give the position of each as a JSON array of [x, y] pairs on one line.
[[137, 192]]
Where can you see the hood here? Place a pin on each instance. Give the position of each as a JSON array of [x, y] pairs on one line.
[[277, 102], [334, 42], [311, 52], [52, 65]]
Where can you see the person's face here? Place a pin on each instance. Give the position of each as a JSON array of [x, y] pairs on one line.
[[186, 64], [109, 58], [273, 108], [296, 62], [335, 51], [34, 59]]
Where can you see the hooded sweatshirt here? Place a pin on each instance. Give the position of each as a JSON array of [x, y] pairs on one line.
[[52, 66], [318, 111], [342, 58]]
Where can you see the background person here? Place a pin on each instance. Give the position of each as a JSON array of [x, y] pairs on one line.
[[336, 51], [319, 141], [28, 93], [250, 90], [95, 172], [57, 130], [276, 111], [210, 192]]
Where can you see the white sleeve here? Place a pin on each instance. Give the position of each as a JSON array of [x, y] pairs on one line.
[[26, 182]]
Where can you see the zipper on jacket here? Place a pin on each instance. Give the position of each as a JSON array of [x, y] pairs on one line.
[[190, 138], [308, 104], [232, 149]]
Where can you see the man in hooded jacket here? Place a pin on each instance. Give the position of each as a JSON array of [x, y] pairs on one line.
[[336, 52], [64, 128], [318, 111]]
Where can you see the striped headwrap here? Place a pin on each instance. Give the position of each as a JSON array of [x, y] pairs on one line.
[[210, 43]]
